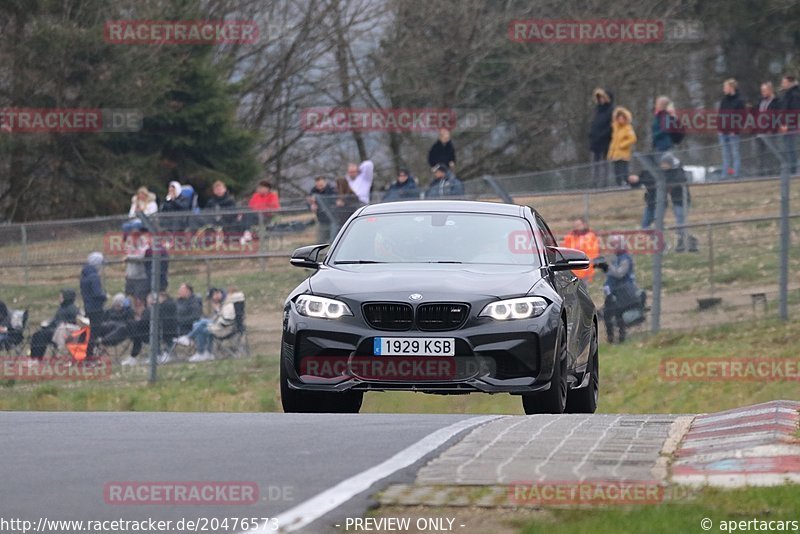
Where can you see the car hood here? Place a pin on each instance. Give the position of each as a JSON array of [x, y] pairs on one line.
[[433, 281]]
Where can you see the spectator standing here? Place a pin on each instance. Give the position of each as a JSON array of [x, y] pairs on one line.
[[94, 297], [665, 131], [322, 192], [360, 179], [444, 183], [404, 188], [136, 284], [346, 204], [189, 308], [767, 108], [731, 114], [600, 134], [619, 284], [623, 138], [790, 105], [442, 151], [583, 238], [67, 312], [157, 251], [143, 201]]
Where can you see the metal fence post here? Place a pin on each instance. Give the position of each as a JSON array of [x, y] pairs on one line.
[[785, 237], [24, 233], [661, 197], [155, 325], [498, 189], [711, 258], [155, 286], [262, 245]]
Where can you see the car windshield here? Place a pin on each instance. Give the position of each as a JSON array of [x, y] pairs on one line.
[[467, 238]]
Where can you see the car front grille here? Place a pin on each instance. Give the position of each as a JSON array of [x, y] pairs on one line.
[[395, 316], [442, 316]]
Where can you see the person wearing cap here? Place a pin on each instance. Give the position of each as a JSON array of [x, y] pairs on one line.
[[442, 151], [619, 281], [93, 295], [444, 184], [404, 188], [360, 179]]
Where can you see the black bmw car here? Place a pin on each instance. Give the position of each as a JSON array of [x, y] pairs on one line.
[[446, 297]]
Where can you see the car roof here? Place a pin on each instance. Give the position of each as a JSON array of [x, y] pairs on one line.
[[463, 206]]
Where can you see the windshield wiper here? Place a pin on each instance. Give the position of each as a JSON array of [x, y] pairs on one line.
[[445, 261], [354, 262]]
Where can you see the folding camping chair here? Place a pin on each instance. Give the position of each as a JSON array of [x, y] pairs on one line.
[[234, 344]]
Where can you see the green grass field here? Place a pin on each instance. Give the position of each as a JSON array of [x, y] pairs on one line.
[[630, 381]]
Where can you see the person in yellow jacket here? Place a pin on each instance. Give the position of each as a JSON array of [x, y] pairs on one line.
[[622, 140], [583, 238]]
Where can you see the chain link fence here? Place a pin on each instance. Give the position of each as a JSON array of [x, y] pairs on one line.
[[731, 275]]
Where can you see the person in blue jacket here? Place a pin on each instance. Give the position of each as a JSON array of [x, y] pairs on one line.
[[94, 297], [404, 188], [444, 183]]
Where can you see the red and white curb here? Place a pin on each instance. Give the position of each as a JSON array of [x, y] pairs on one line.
[[751, 446]]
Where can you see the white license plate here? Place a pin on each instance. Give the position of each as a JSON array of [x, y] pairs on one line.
[[414, 346]]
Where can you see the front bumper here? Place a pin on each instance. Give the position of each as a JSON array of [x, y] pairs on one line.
[[490, 356]]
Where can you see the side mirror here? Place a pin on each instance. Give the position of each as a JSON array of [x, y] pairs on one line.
[[307, 257], [568, 259]]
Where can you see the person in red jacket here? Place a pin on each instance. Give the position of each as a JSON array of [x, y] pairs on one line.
[[263, 200]]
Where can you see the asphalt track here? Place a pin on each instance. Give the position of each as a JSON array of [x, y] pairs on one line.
[[58, 465]]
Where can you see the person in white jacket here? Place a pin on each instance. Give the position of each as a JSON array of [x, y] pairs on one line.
[[221, 323], [143, 201], [360, 179]]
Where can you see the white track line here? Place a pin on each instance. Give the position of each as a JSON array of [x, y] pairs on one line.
[[322, 503]]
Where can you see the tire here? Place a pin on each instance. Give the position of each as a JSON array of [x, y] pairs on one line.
[[554, 400], [584, 400], [298, 401]]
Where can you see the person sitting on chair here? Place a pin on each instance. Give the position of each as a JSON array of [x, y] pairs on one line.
[[220, 324], [67, 312], [189, 308]]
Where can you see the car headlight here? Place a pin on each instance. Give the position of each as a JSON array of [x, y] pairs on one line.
[[325, 308], [521, 308]]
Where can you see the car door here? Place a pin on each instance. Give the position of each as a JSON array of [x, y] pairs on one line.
[[567, 285]]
